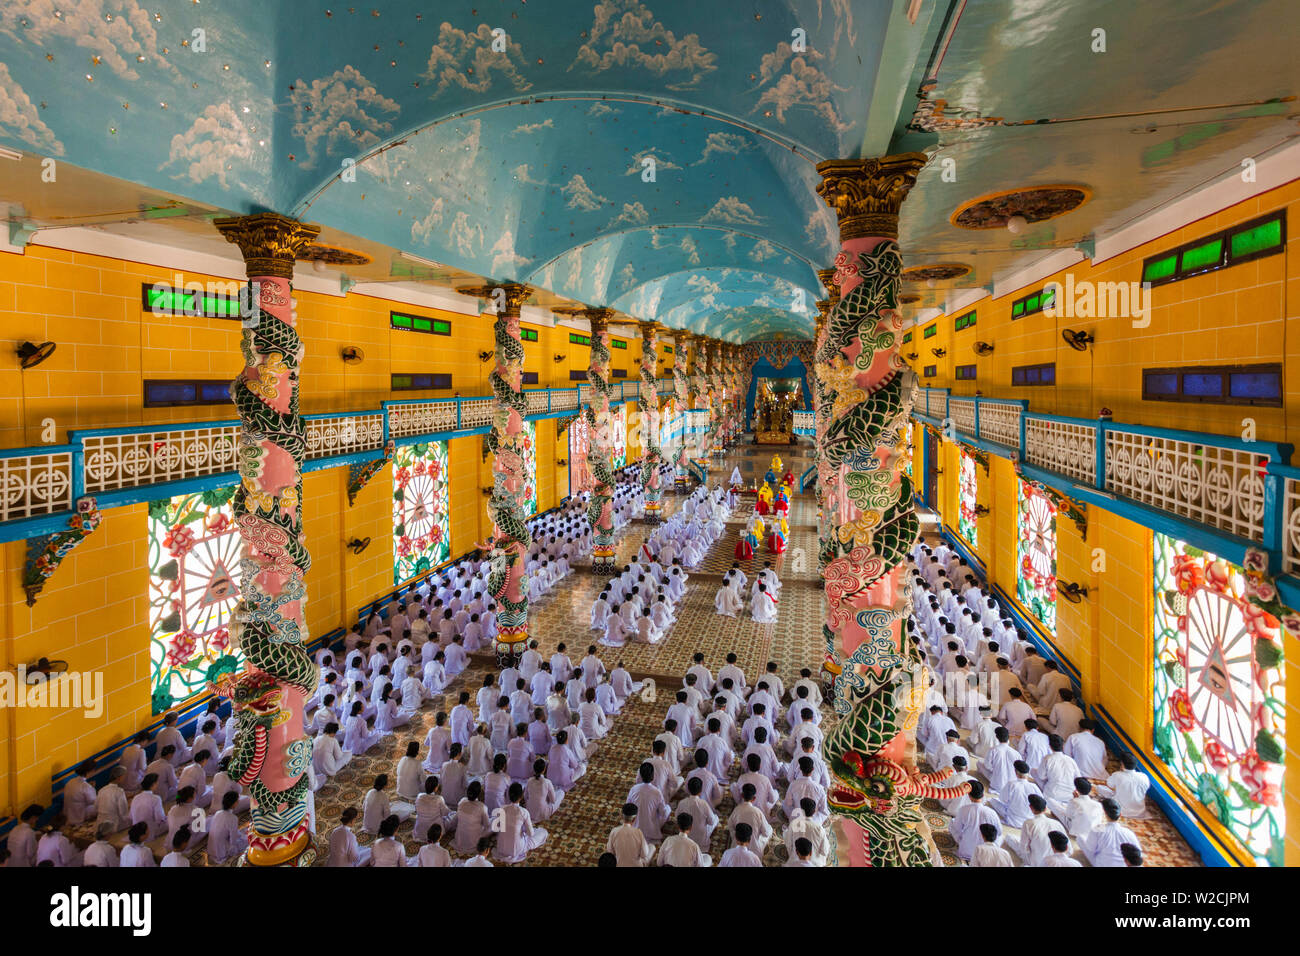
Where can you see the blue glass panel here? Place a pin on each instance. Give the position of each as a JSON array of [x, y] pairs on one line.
[[1162, 383], [1255, 385], [1203, 384]]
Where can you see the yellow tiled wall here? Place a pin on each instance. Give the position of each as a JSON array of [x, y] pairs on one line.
[[1244, 314]]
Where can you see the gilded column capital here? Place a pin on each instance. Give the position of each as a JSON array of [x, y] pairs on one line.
[[510, 301], [866, 194], [269, 242]]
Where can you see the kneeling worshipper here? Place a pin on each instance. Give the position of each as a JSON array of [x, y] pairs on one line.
[[727, 601], [764, 605]]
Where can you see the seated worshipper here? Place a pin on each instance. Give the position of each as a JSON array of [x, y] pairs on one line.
[[359, 735], [195, 776], [563, 767], [226, 840], [431, 809], [180, 844], [1012, 801], [410, 773], [652, 809], [181, 816], [764, 605], [111, 806], [163, 768], [1103, 846], [55, 849], [1129, 788], [626, 841], [680, 850], [1056, 775], [965, 827], [989, 853], [387, 851], [480, 754], [135, 853], [1082, 814], [540, 795], [727, 601], [101, 853], [79, 797], [453, 777], [472, 820], [1066, 716], [496, 784], [516, 835], [376, 807], [146, 808], [1060, 855], [432, 854], [1088, 751], [1036, 833]]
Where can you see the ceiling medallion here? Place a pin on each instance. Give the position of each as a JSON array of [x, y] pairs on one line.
[[1033, 203], [937, 271], [334, 255]]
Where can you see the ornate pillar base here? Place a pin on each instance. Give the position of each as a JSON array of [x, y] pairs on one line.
[[294, 848], [604, 560], [509, 646]]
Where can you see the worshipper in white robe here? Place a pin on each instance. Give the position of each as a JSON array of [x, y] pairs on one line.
[[376, 807], [146, 808], [1066, 717], [462, 720], [386, 851], [437, 743], [1088, 751], [627, 842], [453, 777], [990, 853], [803, 826], [1056, 775], [748, 812], [563, 767], [180, 843], [621, 681], [516, 835], [1082, 814], [225, 838], [135, 854], [496, 784], [680, 850], [726, 601], [170, 736], [652, 809], [1129, 788], [358, 737], [164, 770], [1033, 745], [111, 805], [1060, 855], [984, 737], [410, 773], [432, 855], [102, 853], [181, 816], [430, 809], [223, 784], [194, 775], [1102, 845], [472, 820], [541, 797], [741, 854], [79, 797], [1035, 833], [1014, 713], [965, 827], [1012, 801]]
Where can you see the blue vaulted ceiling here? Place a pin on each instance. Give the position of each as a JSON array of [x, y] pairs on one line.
[[503, 138], [397, 123]]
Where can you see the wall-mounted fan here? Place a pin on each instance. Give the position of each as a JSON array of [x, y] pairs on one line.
[[31, 355], [43, 669], [357, 545], [485, 356], [1074, 593], [1079, 341], [559, 357], [983, 348], [912, 355], [352, 355], [938, 353]]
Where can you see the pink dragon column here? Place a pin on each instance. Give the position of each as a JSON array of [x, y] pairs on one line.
[[507, 581], [875, 668], [651, 479], [271, 751], [681, 394]]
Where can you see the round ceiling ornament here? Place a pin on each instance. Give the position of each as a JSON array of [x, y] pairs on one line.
[[1031, 203], [935, 272]]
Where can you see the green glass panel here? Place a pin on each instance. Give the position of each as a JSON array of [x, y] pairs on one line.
[[401, 321], [1033, 303], [423, 325], [1265, 236], [442, 327], [1160, 269], [401, 381], [1199, 257], [1018, 309]]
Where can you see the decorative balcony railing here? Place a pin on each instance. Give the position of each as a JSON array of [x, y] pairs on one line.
[[40, 486], [1209, 481], [804, 423], [36, 481]]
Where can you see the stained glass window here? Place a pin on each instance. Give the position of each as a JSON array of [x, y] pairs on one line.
[[421, 509], [620, 436], [1036, 554], [910, 450], [530, 468], [966, 497], [1219, 697], [579, 443], [194, 574]]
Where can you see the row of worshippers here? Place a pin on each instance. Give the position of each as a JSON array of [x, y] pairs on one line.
[[691, 530], [135, 817], [764, 593], [494, 768], [640, 603], [713, 724], [1017, 735]]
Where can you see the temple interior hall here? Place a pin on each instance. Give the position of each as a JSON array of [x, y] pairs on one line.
[[578, 433]]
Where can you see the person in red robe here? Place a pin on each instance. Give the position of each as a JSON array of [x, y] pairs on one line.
[[761, 506], [744, 550]]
